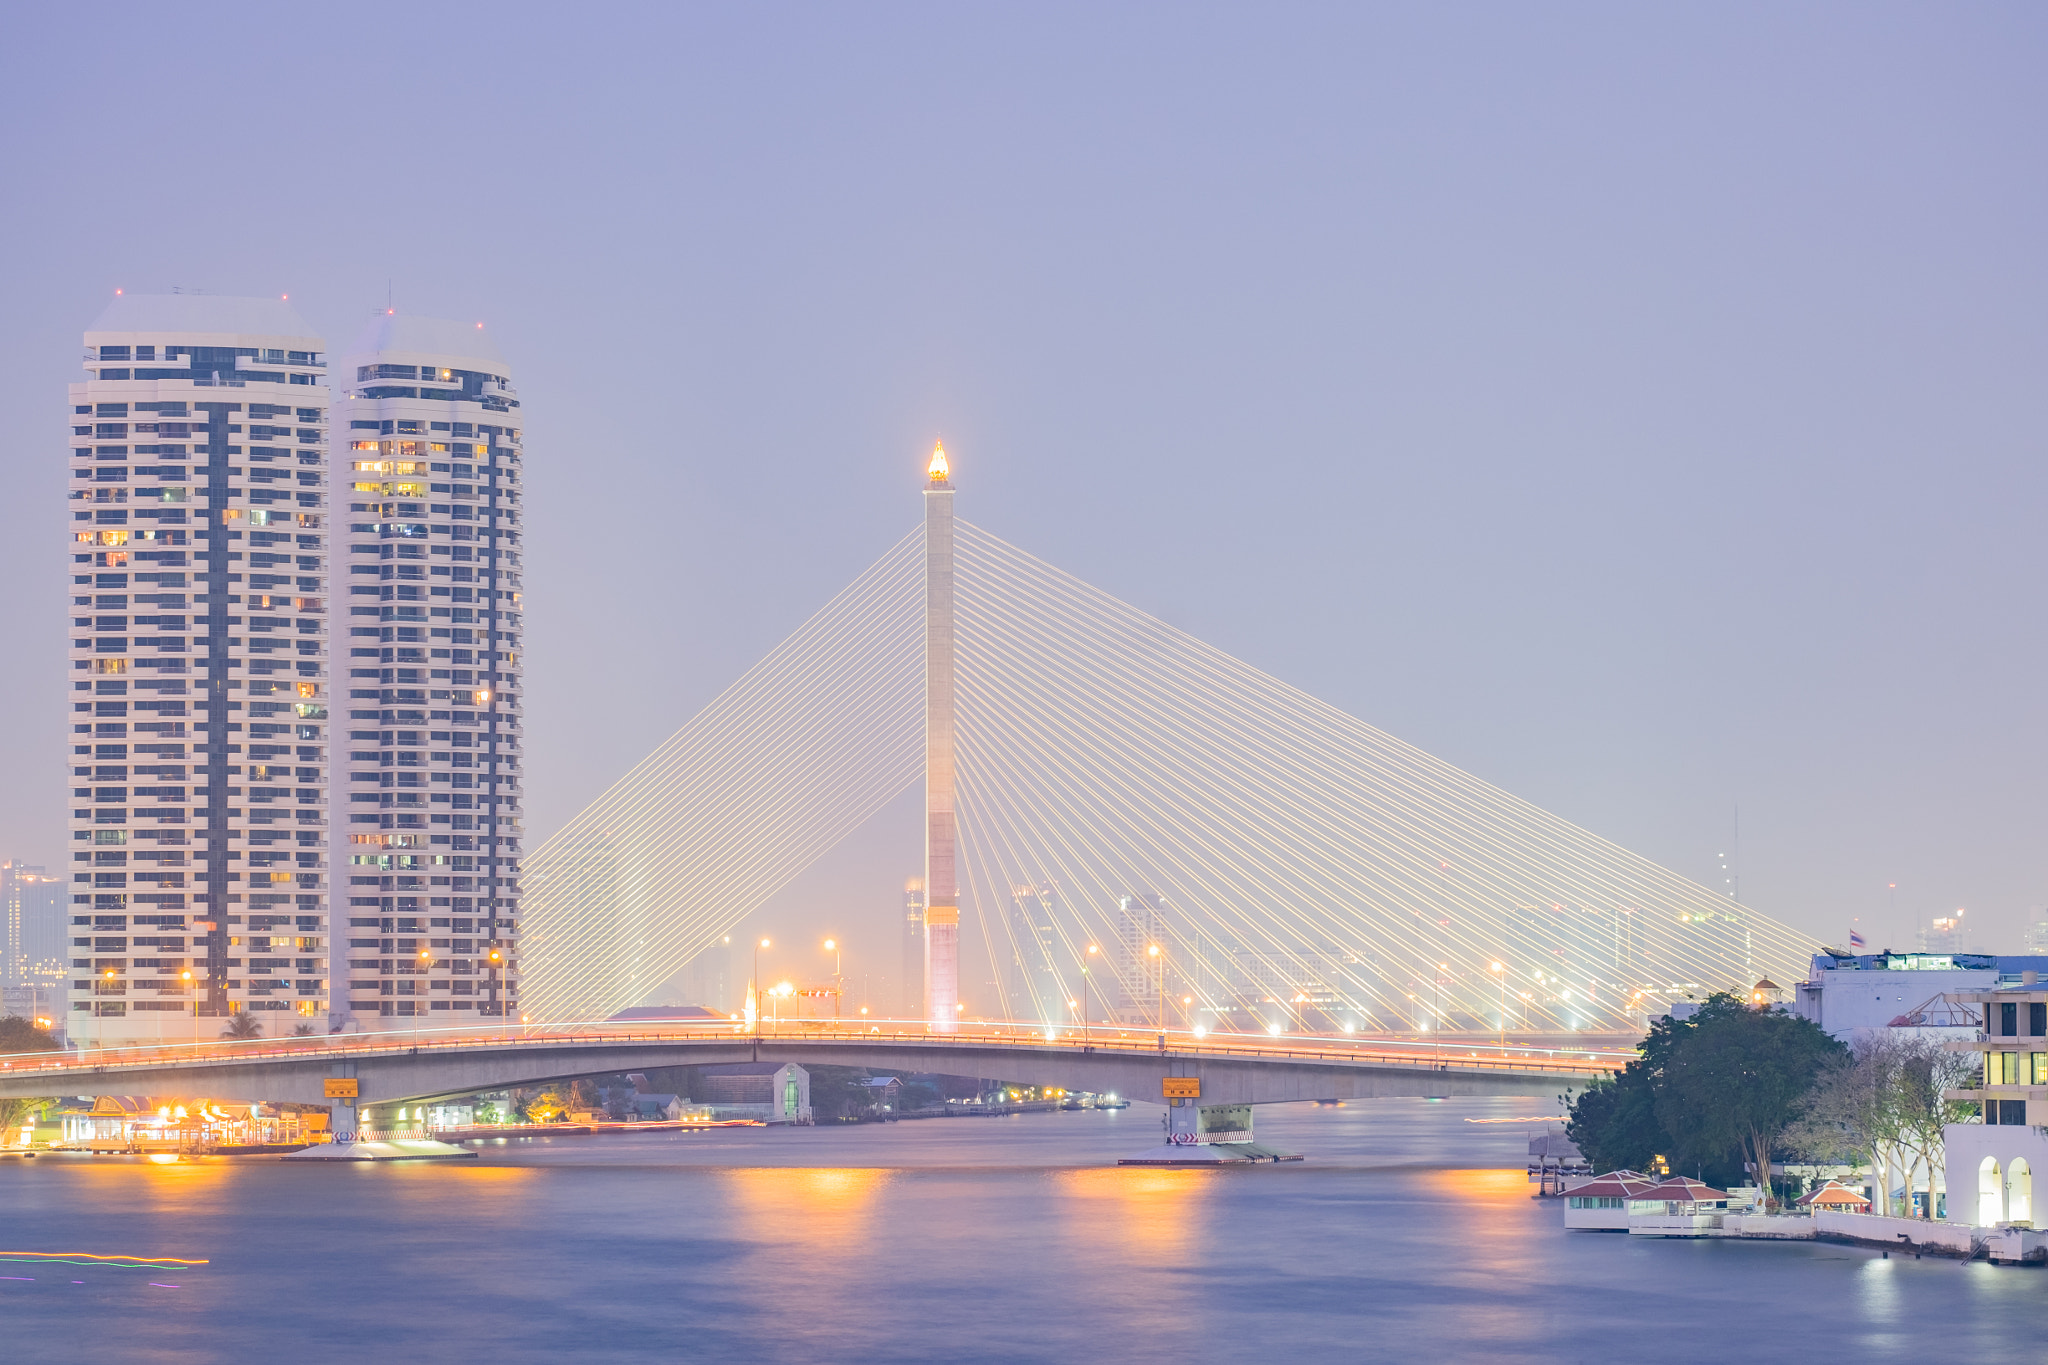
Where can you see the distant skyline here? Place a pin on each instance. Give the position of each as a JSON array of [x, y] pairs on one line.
[[1640, 410]]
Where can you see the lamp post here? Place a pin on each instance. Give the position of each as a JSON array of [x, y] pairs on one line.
[[186, 977], [838, 976], [1437, 996], [426, 962], [493, 960], [754, 984], [99, 1009], [1092, 951], [1159, 969], [1500, 973]]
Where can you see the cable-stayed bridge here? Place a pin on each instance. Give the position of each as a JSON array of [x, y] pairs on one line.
[[1244, 884], [1142, 821]]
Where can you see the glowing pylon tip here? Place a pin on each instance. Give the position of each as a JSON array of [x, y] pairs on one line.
[[938, 469]]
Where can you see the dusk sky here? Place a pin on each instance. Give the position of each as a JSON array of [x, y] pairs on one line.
[[1641, 408]]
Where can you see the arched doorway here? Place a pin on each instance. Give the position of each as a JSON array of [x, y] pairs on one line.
[[2019, 1191], [1990, 1194]]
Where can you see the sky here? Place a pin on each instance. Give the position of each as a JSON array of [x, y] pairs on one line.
[[1639, 407]]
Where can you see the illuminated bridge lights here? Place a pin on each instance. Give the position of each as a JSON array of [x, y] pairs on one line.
[[1238, 853]]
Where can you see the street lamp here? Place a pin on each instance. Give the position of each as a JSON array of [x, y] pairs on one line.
[[1501, 973], [99, 1008], [419, 1006], [838, 975], [192, 1005], [1152, 951], [494, 959], [1092, 951], [754, 985]]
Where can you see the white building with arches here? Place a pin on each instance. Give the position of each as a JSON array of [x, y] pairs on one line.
[[1992, 1166]]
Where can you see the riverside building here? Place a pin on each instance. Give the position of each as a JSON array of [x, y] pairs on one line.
[[1991, 1165], [428, 471], [199, 671]]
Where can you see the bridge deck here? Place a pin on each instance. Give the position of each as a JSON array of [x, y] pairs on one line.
[[1235, 1069]]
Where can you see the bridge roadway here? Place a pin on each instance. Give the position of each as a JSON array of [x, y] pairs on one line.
[[394, 1068]]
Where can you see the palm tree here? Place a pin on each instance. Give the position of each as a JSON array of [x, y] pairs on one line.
[[303, 1031], [242, 1024]]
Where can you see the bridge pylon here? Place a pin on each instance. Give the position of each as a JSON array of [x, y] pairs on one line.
[[941, 828]]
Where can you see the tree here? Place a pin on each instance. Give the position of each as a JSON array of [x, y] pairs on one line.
[[1925, 1071], [840, 1094], [1614, 1120], [1845, 1117], [1704, 1091], [21, 1035], [303, 1031], [1884, 1103], [15, 1113], [1736, 1081], [242, 1025], [545, 1107]]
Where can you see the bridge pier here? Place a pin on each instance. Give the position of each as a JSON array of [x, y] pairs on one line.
[[343, 1091], [1200, 1134]]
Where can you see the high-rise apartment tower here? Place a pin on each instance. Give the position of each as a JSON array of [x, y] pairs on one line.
[[1035, 989], [33, 917], [199, 670], [428, 470]]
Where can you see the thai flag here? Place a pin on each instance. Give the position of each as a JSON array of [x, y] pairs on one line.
[[1855, 939]]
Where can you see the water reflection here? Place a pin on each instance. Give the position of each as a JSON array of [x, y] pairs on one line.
[[1149, 1213], [1407, 1235], [823, 1208]]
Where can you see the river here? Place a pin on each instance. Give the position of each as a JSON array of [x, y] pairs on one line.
[[1408, 1234]]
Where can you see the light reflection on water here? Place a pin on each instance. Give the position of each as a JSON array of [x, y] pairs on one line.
[[823, 1209], [1408, 1234]]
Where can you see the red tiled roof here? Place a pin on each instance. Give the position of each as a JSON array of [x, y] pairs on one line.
[[1613, 1185], [1684, 1189]]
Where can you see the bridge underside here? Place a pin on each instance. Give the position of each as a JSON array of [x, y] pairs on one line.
[[401, 1075]]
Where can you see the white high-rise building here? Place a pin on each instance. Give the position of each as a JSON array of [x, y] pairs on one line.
[[1141, 960], [1035, 989], [34, 918], [428, 479], [199, 671]]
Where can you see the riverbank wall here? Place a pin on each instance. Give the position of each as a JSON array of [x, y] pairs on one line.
[[1901, 1234]]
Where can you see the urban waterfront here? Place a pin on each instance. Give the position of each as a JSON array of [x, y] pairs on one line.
[[1408, 1233]]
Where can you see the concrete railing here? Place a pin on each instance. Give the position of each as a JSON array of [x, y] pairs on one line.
[[1023, 1037]]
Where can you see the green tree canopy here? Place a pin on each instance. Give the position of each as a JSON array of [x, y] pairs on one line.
[[1736, 1080], [1706, 1092], [21, 1035]]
